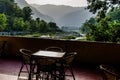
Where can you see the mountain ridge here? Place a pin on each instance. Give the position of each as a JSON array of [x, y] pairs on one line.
[[54, 10], [36, 13], [78, 17], [62, 15], [60, 12]]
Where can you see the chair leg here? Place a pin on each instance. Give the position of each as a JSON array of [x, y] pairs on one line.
[[20, 70], [61, 74], [37, 76], [71, 70], [27, 68]]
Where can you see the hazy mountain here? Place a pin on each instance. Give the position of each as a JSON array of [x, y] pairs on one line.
[[62, 15], [53, 10], [65, 15], [76, 18], [36, 13]]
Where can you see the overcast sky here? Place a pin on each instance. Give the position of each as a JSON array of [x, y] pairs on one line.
[[74, 3]]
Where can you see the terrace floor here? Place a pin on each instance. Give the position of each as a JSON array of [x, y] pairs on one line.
[[9, 69]]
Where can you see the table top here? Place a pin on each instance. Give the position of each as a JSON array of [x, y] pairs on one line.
[[49, 54]]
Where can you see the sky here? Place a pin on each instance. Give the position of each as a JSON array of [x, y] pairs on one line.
[[74, 3]]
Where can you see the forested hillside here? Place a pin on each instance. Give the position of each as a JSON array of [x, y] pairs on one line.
[[36, 13], [13, 18]]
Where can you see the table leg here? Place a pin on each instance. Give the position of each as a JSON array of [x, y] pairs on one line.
[[30, 69]]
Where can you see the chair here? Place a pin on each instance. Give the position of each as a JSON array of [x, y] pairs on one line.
[[25, 55], [110, 72], [54, 48], [64, 65], [45, 66]]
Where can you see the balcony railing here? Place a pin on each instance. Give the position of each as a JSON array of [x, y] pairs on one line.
[[88, 53]]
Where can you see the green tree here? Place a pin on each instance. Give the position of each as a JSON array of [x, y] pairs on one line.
[[115, 30], [10, 21], [12, 0], [32, 26], [52, 27], [106, 21], [115, 14], [43, 27], [13, 18], [27, 12], [6, 6], [100, 31], [101, 7], [37, 23], [3, 21], [27, 26], [86, 26], [18, 24], [17, 11]]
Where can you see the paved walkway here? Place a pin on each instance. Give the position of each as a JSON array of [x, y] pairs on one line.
[[9, 69]]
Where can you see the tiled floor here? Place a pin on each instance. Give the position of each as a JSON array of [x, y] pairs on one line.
[[9, 69]]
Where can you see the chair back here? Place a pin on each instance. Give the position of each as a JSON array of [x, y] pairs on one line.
[[26, 54], [54, 48], [110, 72], [48, 61], [69, 57], [45, 61]]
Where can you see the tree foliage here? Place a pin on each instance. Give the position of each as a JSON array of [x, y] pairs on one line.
[[3, 21], [13, 18], [27, 12], [106, 25]]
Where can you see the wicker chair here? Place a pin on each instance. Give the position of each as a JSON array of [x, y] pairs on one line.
[[54, 48], [64, 65], [25, 55], [110, 72]]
